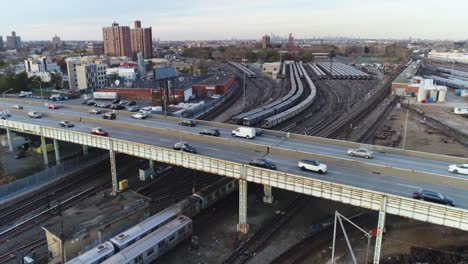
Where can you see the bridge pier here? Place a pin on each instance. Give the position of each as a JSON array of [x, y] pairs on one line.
[[267, 196], [113, 166], [10, 139], [44, 151], [380, 229], [243, 227], [152, 168], [85, 150], [57, 152]]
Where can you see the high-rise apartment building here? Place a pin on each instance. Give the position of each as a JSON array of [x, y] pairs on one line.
[[117, 40], [1, 42], [142, 41], [95, 49], [56, 43], [13, 41], [291, 42], [265, 42]]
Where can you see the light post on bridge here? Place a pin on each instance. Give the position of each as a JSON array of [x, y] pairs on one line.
[[4, 102], [40, 88]]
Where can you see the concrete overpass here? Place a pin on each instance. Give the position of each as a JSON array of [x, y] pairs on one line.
[[383, 184]]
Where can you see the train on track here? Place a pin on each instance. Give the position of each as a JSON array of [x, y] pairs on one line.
[[248, 72], [164, 220], [317, 71], [338, 70]]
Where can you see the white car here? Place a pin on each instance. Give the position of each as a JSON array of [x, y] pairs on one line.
[[139, 116], [458, 168], [34, 114], [18, 106], [312, 165]]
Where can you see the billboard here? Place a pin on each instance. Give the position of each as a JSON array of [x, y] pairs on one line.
[[164, 73]]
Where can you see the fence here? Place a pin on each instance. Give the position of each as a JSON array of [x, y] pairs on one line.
[[210, 105], [46, 176]]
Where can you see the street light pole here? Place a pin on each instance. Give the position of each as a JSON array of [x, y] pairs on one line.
[[406, 123], [244, 91], [40, 87], [4, 102]]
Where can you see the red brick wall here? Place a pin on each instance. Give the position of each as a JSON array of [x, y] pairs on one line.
[[219, 89], [406, 87]]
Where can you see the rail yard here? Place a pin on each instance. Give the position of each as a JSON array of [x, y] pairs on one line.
[[316, 160]]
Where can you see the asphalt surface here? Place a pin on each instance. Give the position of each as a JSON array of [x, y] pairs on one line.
[[344, 175]]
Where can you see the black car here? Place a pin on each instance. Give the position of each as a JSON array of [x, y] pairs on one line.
[[109, 116], [435, 197], [20, 155], [116, 101], [85, 101], [91, 103], [185, 147], [66, 123], [263, 163], [210, 132], [117, 107], [188, 122], [131, 103]]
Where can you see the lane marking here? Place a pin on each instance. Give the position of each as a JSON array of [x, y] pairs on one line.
[[337, 172], [411, 186], [165, 140], [212, 148]]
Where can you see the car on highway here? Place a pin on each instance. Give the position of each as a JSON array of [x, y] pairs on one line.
[[66, 123], [117, 107], [109, 115], [263, 163], [34, 114], [17, 106], [53, 106], [139, 116], [245, 132], [210, 132], [184, 146], [361, 152], [4, 115], [99, 132], [432, 196], [458, 168], [188, 122], [312, 165], [133, 108], [95, 111]]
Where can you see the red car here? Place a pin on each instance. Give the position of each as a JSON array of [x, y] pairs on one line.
[[51, 106], [99, 131]]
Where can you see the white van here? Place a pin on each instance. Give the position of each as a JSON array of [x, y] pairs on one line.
[[245, 132]]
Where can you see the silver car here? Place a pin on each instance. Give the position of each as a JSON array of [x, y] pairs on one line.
[[361, 152]]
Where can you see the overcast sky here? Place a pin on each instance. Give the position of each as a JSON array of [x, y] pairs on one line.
[[225, 19]]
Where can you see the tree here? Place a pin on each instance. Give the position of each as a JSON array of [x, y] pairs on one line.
[[307, 56]]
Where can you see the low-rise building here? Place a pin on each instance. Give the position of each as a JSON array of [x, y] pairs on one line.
[[272, 68], [86, 72], [40, 64], [45, 76], [91, 222]]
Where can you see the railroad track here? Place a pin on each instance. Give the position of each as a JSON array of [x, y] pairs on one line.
[[222, 107], [258, 240], [9, 256], [368, 135]]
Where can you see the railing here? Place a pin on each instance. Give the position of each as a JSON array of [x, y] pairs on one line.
[[397, 205]]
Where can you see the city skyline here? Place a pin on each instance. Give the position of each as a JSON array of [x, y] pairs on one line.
[[222, 19]]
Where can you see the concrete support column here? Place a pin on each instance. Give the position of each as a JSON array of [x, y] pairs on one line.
[[243, 227], [380, 229], [152, 168], [10, 139], [85, 150], [44, 151], [57, 152], [115, 184], [267, 197]]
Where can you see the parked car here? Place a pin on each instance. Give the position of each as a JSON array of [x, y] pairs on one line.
[[188, 122], [103, 105], [109, 115], [312, 165], [263, 163], [117, 107], [139, 116], [86, 101], [95, 111], [99, 131], [458, 168], [66, 123], [53, 106], [123, 102], [91, 103], [116, 101], [184, 146], [432, 196], [245, 132], [34, 114], [18, 106], [133, 108], [20, 155], [361, 152], [210, 132], [131, 103]]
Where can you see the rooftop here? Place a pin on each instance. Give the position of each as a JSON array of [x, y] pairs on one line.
[[95, 211]]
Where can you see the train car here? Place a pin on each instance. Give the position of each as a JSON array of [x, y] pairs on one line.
[[95, 255], [213, 193], [145, 227], [299, 70], [155, 244]]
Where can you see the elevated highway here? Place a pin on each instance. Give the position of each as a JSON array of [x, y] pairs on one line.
[[383, 184]]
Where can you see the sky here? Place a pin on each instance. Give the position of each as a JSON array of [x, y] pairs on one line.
[[241, 19]]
